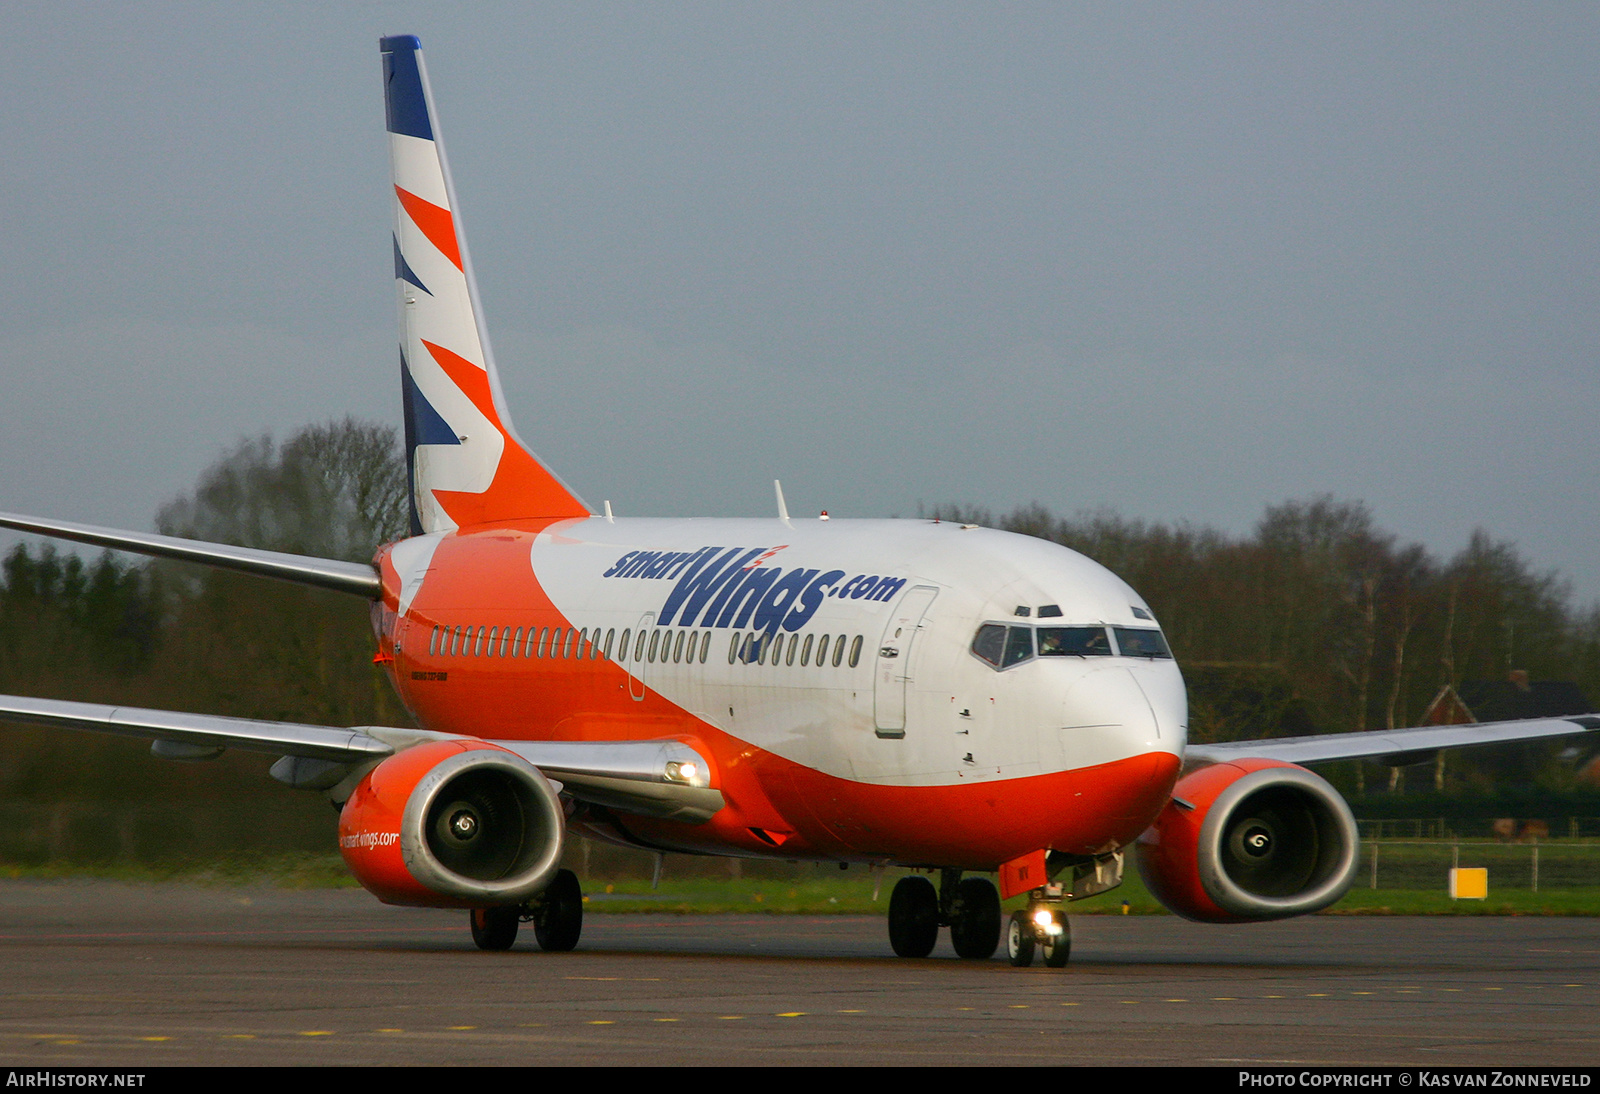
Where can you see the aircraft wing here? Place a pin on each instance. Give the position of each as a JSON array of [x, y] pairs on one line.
[[664, 778], [204, 730], [1396, 747], [328, 573]]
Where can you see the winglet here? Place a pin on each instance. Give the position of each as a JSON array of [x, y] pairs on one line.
[[467, 465]]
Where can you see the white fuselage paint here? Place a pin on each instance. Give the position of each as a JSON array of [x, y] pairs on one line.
[[964, 721]]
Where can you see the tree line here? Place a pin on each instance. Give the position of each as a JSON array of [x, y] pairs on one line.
[[180, 637], [1318, 621]]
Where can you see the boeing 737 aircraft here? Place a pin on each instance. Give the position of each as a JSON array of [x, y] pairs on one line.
[[911, 693]]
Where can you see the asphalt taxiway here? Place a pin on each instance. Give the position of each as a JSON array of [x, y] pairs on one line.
[[128, 976]]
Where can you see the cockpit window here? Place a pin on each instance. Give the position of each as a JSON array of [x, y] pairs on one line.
[[990, 643], [1003, 646], [1074, 642], [1019, 646], [1138, 642]]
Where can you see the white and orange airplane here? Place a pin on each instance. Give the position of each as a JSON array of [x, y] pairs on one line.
[[912, 693]]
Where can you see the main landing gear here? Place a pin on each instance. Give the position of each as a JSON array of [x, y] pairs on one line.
[[970, 907], [556, 915], [1042, 926]]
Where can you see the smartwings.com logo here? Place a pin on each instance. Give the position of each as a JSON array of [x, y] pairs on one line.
[[730, 587], [367, 840]]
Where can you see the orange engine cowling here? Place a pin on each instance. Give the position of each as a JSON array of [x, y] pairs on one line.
[[1250, 840], [453, 824]]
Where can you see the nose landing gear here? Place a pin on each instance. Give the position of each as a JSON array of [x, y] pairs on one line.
[[1039, 927]]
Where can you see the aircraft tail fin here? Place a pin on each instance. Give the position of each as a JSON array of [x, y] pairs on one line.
[[466, 463]]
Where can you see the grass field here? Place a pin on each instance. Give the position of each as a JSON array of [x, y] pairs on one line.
[[830, 892]]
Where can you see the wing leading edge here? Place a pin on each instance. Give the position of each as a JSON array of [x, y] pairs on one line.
[[203, 730], [651, 778], [1398, 746], [357, 578]]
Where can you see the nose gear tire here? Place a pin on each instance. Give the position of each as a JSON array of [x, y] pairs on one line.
[[1019, 939]]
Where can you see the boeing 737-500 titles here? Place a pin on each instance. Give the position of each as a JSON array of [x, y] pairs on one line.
[[909, 693]]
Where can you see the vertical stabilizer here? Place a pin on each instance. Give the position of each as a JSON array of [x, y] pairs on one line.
[[466, 463]]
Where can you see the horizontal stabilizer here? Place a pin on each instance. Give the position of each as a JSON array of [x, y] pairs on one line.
[[327, 573], [1396, 743]]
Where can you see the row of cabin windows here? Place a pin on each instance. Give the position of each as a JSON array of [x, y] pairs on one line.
[[502, 642], [650, 645], [763, 649]]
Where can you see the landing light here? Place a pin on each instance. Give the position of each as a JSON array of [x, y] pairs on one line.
[[683, 772]]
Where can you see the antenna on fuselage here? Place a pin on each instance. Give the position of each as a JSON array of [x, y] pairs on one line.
[[609, 518], [783, 508]]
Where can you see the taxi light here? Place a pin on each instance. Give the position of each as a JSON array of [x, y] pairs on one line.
[[685, 771]]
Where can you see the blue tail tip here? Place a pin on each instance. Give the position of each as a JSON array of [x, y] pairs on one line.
[[404, 99]]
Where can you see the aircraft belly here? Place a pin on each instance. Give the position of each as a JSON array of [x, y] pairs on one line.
[[971, 825]]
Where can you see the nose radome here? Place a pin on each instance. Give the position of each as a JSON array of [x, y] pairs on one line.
[[1109, 697], [1169, 702], [1114, 706]]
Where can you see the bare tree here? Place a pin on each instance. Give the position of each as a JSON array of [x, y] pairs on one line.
[[336, 490]]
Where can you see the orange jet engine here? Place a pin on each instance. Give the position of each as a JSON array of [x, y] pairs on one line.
[[453, 824], [1250, 840]]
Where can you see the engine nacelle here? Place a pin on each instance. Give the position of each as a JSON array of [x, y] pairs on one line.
[[1260, 839], [453, 824]]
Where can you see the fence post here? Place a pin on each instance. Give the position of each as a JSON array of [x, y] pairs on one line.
[[1374, 864], [1536, 865]]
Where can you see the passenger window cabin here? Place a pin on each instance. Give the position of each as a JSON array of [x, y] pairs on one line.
[[684, 647]]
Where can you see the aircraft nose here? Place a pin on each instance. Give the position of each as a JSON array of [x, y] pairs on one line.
[[1163, 687], [1138, 712]]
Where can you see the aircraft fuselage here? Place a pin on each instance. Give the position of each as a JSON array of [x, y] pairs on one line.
[[826, 669]]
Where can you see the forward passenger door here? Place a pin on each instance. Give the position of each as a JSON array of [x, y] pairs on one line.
[[893, 675]]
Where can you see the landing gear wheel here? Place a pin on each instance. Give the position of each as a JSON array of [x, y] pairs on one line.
[[913, 917], [558, 914], [1019, 939], [494, 928], [1056, 946], [975, 931]]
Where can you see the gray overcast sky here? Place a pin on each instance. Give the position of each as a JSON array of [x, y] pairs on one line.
[[1181, 260]]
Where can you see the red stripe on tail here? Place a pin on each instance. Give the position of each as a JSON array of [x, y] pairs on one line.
[[522, 487], [436, 223]]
